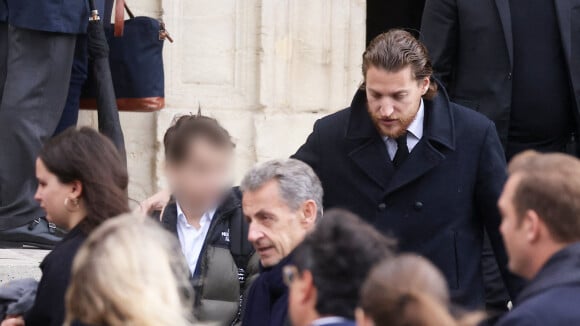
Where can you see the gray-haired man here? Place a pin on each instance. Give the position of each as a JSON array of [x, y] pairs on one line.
[[282, 200]]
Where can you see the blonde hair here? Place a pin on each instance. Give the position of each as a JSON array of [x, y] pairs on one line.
[[409, 290], [129, 272]]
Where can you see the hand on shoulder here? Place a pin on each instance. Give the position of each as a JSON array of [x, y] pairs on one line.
[[13, 321], [156, 202]]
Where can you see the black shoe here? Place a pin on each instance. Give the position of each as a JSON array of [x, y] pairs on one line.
[[38, 234]]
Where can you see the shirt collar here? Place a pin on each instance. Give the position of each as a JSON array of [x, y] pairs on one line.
[[207, 216], [328, 320], [416, 127]]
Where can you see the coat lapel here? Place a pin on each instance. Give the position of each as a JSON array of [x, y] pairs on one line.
[[422, 159], [503, 8], [372, 158], [439, 129], [369, 151]]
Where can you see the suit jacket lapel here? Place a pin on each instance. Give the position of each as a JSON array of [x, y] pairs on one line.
[[563, 11], [503, 8]]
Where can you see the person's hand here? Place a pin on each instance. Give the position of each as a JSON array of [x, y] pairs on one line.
[[156, 202], [13, 321]]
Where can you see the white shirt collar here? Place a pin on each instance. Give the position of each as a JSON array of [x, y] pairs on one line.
[[207, 216], [416, 127], [328, 320]]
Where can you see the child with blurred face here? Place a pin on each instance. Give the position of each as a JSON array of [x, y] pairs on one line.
[[205, 214], [198, 164]]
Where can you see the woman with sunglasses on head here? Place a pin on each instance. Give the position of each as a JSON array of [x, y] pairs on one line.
[[82, 182]]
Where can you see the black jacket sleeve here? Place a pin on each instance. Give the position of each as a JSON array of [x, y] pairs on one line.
[[48, 309], [491, 176], [309, 153], [440, 33]]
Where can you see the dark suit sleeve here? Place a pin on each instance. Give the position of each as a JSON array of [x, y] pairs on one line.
[[309, 153], [517, 318], [440, 33], [492, 174]]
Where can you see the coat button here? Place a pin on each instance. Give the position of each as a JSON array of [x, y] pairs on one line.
[[382, 206], [418, 205], [509, 76]]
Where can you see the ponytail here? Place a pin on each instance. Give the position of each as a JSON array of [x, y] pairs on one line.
[[413, 308]]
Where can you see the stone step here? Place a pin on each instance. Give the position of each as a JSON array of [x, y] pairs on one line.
[[20, 263]]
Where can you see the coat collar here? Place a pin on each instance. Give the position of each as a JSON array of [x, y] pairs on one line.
[[438, 123], [369, 152], [560, 270]]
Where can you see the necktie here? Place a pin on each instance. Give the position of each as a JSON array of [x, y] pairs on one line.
[[402, 151]]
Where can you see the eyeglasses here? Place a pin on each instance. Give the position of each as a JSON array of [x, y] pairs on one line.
[[289, 273]]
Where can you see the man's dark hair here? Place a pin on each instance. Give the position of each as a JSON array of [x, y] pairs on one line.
[[340, 253], [190, 127]]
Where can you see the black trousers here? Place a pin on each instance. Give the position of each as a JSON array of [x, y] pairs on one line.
[[35, 70]]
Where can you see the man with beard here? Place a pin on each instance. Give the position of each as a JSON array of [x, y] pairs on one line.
[[415, 165]]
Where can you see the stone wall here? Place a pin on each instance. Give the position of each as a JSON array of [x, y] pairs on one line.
[[266, 69]]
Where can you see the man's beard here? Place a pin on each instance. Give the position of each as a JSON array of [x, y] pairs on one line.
[[402, 126]]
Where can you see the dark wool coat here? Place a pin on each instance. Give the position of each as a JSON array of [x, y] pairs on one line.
[[439, 201], [552, 297]]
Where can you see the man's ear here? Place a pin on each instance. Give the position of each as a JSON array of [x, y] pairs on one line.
[[76, 189], [425, 83], [362, 319], [532, 224], [307, 288], [309, 212]]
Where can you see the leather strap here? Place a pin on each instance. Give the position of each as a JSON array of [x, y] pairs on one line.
[[120, 8], [119, 17], [144, 104]]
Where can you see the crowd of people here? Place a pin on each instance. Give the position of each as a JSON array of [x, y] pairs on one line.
[[401, 209]]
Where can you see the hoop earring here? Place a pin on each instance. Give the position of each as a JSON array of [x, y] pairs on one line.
[[75, 203]]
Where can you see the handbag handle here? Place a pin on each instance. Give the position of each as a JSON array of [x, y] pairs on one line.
[[119, 17], [120, 7]]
